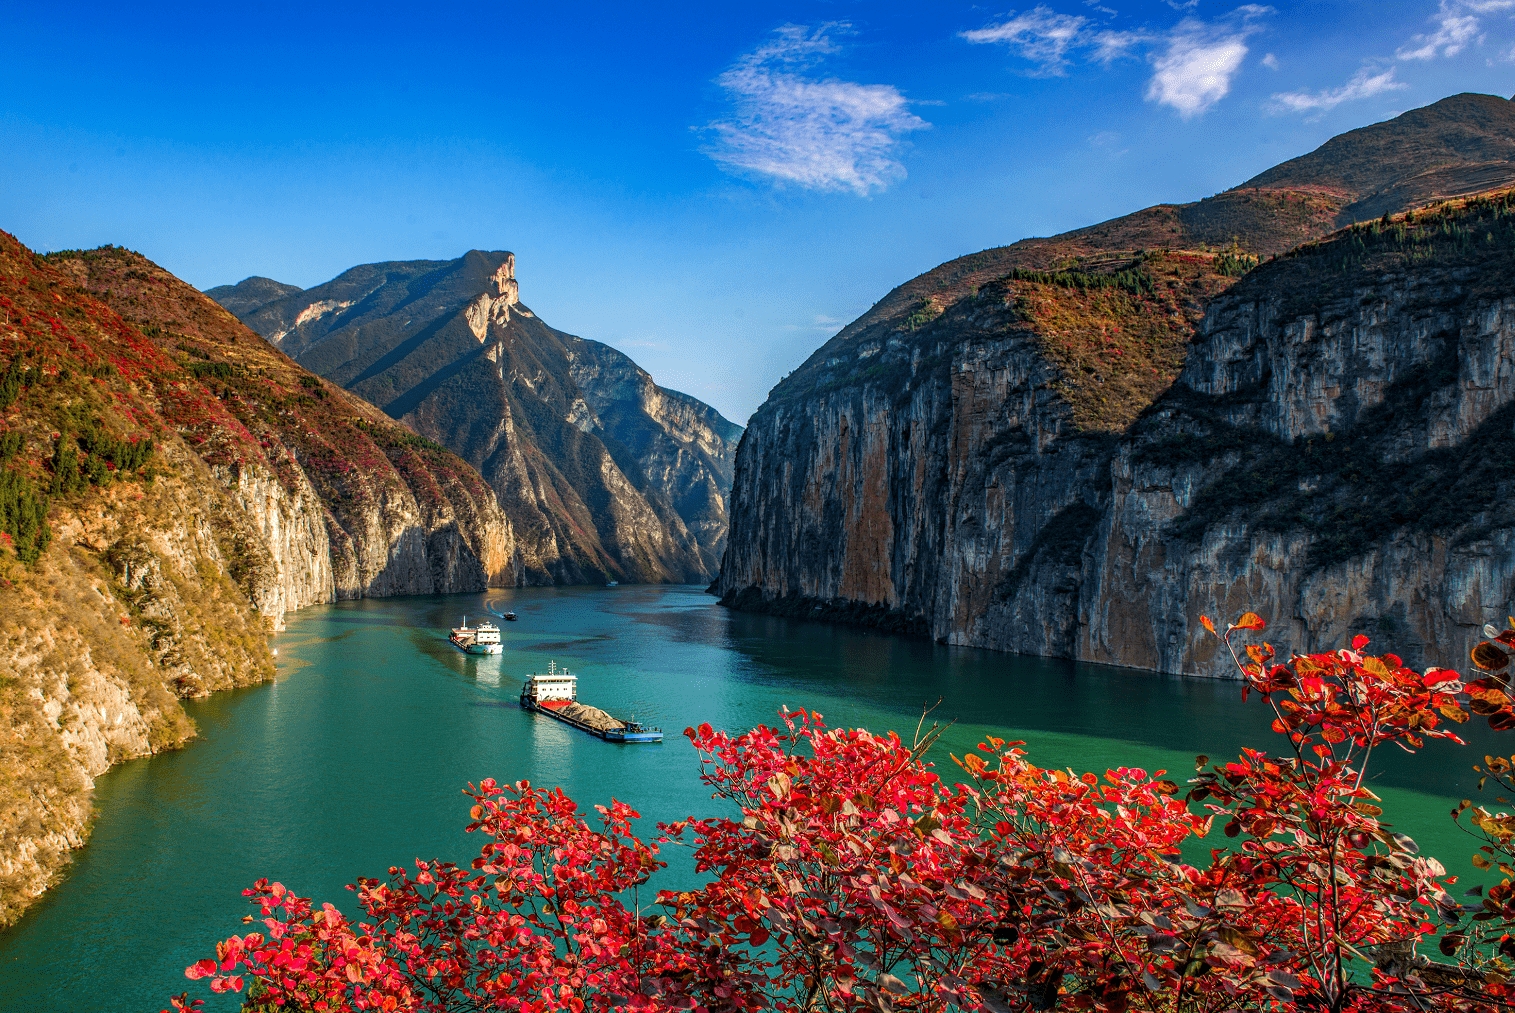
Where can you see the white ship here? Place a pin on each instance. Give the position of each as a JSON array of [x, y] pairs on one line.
[[481, 639]]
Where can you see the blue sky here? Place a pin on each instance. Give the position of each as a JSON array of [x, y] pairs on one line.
[[713, 191]]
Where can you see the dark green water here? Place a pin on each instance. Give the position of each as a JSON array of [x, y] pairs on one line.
[[354, 759]]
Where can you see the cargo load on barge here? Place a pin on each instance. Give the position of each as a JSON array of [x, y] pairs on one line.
[[555, 694]]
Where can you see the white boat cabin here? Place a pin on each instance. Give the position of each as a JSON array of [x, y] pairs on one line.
[[557, 684], [482, 635]]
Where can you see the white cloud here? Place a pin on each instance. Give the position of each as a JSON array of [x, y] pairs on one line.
[[1364, 84], [1040, 35], [1196, 70], [819, 133], [1109, 46], [1456, 25], [1193, 62], [1270, 61]]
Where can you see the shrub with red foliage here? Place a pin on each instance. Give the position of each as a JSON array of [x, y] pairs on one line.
[[850, 876]]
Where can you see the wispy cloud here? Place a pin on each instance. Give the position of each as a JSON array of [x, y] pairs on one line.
[[1364, 84], [1040, 35], [1457, 24], [791, 126], [1193, 62]]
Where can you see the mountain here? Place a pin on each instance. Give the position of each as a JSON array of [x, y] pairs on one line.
[[250, 293], [1076, 446], [171, 486], [1461, 145], [604, 474]]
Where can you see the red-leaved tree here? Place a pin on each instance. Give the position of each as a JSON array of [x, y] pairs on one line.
[[847, 875]]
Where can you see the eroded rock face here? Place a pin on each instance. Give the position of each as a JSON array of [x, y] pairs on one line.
[[1376, 408], [133, 608], [345, 502], [265, 490], [1335, 455], [952, 497], [603, 474]]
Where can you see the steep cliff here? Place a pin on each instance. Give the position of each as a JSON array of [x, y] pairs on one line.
[[1336, 455], [169, 487], [348, 502], [602, 473], [972, 458]]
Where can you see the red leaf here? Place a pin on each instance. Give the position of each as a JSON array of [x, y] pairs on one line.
[[1490, 658], [1249, 621], [200, 969], [1206, 623], [1359, 642]]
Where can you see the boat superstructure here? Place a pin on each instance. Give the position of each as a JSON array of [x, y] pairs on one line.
[[556, 694], [481, 639]]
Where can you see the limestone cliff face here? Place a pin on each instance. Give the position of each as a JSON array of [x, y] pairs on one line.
[[603, 474], [346, 502], [680, 447], [1331, 459], [933, 494], [170, 487], [1333, 454]]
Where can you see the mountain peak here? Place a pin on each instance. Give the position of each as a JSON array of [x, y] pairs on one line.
[[250, 293]]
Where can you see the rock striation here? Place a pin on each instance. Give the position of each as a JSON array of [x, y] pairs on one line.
[[1074, 448], [603, 474]]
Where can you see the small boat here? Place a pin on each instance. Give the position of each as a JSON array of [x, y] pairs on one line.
[[481, 639], [556, 694], [612, 583], [509, 617]]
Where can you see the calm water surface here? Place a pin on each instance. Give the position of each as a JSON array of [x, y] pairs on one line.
[[353, 760]]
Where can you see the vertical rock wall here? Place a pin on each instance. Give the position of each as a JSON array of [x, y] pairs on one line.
[[1336, 455]]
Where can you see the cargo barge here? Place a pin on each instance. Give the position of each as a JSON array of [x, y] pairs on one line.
[[556, 695]]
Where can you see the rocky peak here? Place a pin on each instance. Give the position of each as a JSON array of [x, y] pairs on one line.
[[603, 473], [494, 307]]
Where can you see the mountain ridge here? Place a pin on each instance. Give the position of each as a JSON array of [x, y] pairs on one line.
[[1265, 215], [1020, 450], [605, 475]]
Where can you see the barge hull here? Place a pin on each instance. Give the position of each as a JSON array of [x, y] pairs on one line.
[[608, 734]]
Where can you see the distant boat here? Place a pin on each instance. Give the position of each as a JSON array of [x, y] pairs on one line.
[[481, 639], [509, 617], [612, 583], [556, 694]]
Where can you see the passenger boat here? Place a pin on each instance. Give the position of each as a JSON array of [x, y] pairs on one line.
[[481, 639], [556, 694]]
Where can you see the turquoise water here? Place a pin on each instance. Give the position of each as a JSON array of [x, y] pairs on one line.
[[353, 760]]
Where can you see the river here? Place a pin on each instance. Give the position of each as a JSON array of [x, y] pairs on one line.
[[354, 758]]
